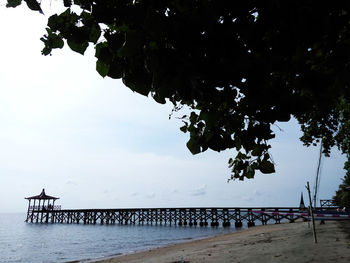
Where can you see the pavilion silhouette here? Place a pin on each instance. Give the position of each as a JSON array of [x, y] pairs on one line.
[[40, 211]]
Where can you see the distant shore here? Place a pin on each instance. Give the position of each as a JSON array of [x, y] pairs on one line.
[[288, 242]]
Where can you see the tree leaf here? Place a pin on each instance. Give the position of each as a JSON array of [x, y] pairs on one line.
[[102, 68], [67, 3], [184, 128], [193, 146], [267, 167], [13, 3], [77, 46], [34, 5]]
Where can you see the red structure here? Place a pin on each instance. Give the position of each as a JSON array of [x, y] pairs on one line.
[[42, 205]]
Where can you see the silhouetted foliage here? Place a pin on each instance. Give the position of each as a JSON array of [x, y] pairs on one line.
[[240, 66], [342, 195]]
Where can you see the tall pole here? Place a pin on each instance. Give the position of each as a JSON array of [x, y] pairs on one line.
[[317, 181], [311, 213]]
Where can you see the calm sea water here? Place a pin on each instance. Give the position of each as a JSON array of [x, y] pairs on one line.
[[23, 242]]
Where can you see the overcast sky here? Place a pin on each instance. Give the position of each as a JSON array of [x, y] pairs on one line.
[[96, 144]]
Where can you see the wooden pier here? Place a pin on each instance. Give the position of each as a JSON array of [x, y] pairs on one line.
[[186, 216], [166, 216]]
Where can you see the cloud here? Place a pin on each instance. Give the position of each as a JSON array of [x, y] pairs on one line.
[[106, 191], [252, 196], [70, 182], [175, 191], [257, 193], [247, 198], [151, 195], [134, 194], [199, 191]]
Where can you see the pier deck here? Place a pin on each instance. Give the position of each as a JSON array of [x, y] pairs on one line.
[[201, 216]]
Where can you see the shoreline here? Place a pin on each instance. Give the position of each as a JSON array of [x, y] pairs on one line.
[[179, 242], [286, 242]]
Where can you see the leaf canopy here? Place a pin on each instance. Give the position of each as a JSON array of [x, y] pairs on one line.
[[240, 65]]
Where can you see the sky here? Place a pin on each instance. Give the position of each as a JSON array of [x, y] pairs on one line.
[[94, 143]]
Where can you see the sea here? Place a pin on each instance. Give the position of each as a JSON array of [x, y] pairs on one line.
[[36, 243]]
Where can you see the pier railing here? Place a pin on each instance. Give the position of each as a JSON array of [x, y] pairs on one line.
[[45, 207], [193, 216], [329, 203]]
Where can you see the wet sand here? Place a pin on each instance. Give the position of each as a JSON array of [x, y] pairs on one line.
[[288, 242]]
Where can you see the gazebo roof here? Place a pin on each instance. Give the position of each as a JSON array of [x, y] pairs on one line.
[[42, 196]]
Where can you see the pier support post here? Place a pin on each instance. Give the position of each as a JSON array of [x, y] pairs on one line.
[[250, 224], [238, 224]]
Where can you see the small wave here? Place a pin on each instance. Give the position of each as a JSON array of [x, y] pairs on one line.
[[186, 238], [16, 259], [116, 254]]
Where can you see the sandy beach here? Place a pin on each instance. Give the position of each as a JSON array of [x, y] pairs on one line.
[[289, 242]]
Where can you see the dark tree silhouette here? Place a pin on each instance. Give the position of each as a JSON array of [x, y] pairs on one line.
[[240, 66], [342, 195]]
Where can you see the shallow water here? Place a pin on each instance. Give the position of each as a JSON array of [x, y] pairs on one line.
[[24, 242]]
